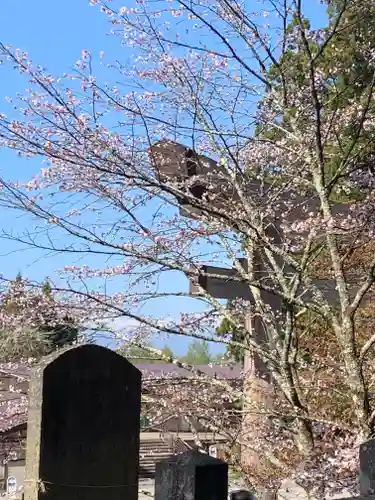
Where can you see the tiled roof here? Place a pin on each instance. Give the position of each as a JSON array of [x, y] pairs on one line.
[[16, 369], [150, 369], [13, 405], [13, 410]]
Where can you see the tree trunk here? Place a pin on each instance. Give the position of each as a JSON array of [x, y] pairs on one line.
[[258, 394], [304, 438], [356, 381]]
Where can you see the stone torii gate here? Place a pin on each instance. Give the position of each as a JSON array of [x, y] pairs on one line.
[[174, 161]]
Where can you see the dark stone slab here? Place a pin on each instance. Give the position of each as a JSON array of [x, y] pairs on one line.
[[367, 468], [191, 476], [83, 428], [361, 497], [242, 495]]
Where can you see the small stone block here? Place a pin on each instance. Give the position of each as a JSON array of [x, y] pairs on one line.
[[242, 495], [191, 476]]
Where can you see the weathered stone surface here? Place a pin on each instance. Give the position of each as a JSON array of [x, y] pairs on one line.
[[367, 467], [83, 428], [191, 476], [242, 495], [222, 287]]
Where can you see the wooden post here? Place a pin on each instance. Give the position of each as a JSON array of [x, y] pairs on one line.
[[258, 395], [258, 388]]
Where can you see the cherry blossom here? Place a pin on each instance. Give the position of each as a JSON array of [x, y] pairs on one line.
[[268, 162]]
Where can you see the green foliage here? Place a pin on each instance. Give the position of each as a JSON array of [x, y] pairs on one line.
[[58, 332], [228, 330], [22, 345], [167, 352], [60, 335], [198, 353], [346, 83], [40, 327], [343, 85], [143, 355]]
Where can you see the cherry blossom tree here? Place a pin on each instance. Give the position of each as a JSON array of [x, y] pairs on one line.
[[34, 321], [274, 141]]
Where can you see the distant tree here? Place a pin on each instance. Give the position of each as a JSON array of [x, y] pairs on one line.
[[198, 353], [140, 355], [229, 330], [220, 358], [136, 354], [59, 332], [167, 352], [22, 345], [33, 322]]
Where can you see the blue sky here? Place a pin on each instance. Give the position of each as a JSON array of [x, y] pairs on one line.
[[54, 34]]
